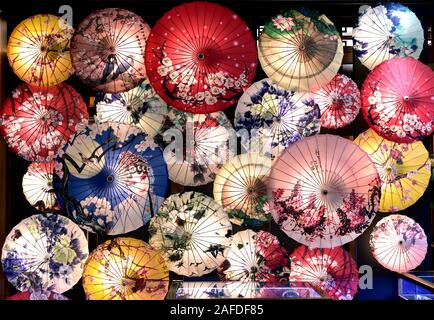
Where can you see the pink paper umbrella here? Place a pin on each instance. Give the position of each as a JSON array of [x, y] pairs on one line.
[[398, 100], [339, 102], [398, 243], [200, 57], [323, 191], [333, 271], [108, 49]]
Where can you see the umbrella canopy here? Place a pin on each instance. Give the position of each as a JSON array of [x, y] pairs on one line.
[[200, 57], [38, 50], [257, 256], [333, 271], [323, 191], [200, 147], [398, 243], [27, 295], [111, 178], [108, 50], [38, 185], [339, 102], [125, 269], [405, 169], [45, 252], [274, 117], [193, 233], [36, 122], [139, 107], [301, 51], [386, 31], [398, 100], [240, 188]]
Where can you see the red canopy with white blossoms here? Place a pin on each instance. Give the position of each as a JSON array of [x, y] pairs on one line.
[[339, 102], [36, 122], [200, 57], [398, 100]]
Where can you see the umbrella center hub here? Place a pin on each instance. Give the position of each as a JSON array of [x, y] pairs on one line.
[[129, 107], [406, 98], [110, 178], [201, 56], [390, 172]]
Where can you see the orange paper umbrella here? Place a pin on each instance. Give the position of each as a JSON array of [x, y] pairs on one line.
[[108, 50], [38, 50], [125, 269]]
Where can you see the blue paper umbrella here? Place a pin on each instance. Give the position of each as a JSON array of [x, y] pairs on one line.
[[111, 178]]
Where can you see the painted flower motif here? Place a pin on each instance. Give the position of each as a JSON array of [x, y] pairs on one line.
[[283, 23]]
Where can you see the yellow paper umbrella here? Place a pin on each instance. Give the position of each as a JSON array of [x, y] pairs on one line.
[[300, 51], [404, 169], [240, 188], [125, 269], [38, 50]]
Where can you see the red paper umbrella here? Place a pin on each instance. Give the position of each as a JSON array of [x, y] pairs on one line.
[[333, 271], [200, 57], [107, 50], [398, 100], [339, 102], [36, 122]]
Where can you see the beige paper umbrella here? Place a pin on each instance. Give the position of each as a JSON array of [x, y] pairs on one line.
[[193, 233], [405, 169], [38, 50], [240, 188], [300, 51]]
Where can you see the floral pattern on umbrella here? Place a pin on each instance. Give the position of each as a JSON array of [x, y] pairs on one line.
[[45, 252], [36, 122], [108, 50], [125, 269], [200, 57], [257, 256], [398, 100], [111, 178], [205, 146], [324, 191], [339, 102], [300, 50], [275, 118], [140, 107], [240, 188], [398, 243], [193, 233], [38, 50], [387, 31], [333, 271], [405, 169], [43, 295], [38, 186]]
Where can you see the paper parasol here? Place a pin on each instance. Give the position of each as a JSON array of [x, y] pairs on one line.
[[192, 232], [125, 269]]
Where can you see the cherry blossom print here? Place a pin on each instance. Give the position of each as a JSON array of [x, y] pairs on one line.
[[200, 57]]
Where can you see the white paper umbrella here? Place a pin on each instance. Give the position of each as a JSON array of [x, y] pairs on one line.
[[398, 243], [140, 107], [256, 256], [274, 118], [193, 233], [38, 185], [387, 31], [240, 188], [301, 51], [323, 191], [200, 147], [45, 252]]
